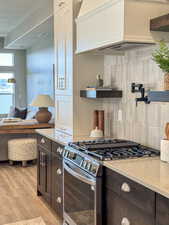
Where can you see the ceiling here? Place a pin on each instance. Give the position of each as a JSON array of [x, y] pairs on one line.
[[43, 31], [14, 12]]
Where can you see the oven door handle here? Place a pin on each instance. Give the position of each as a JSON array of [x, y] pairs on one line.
[[80, 175]]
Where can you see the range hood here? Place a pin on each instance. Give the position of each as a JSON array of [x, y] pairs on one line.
[[123, 46], [118, 25]]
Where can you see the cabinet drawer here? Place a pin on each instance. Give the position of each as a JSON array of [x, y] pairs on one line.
[[57, 149], [57, 205], [162, 210], [45, 143], [57, 185], [135, 193], [57, 202], [120, 211], [57, 169]]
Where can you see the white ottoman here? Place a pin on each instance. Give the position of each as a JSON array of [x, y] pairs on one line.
[[22, 149]]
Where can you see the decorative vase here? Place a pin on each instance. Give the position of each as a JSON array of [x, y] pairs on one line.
[[96, 133], [43, 115], [167, 131], [164, 151], [95, 119], [166, 82], [101, 120], [98, 120]]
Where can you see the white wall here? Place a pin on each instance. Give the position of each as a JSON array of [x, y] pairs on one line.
[[40, 60], [145, 123]]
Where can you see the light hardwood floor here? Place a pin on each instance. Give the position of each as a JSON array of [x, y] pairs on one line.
[[18, 200]]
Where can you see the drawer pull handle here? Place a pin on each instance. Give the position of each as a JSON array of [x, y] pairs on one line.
[[59, 200], [125, 221], [42, 141], [59, 171], [125, 187], [59, 150]]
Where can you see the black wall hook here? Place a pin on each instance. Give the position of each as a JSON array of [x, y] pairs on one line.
[[139, 88]]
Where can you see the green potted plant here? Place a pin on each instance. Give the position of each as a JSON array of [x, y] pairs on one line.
[[161, 57]]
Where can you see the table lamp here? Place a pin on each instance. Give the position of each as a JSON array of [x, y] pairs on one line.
[[43, 102]]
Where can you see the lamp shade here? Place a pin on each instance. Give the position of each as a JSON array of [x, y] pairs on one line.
[[43, 101]]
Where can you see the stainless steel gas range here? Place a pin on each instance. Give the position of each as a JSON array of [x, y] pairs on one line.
[[83, 176]]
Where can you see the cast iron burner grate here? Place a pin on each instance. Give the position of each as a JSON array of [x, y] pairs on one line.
[[113, 149], [124, 153]]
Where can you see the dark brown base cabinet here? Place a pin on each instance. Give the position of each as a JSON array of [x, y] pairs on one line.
[[57, 184], [129, 203], [50, 174], [126, 202], [162, 210], [44, 174]]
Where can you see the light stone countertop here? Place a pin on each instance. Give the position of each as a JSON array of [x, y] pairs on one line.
[[60, 137], [55, 136], [149, 172]]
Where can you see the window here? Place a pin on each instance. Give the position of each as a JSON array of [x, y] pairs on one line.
[[6, 93], [6, 59]]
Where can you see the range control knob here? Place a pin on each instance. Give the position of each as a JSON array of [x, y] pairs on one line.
[[93, 168], [72, 155], [59, 150], [85, 164], [89, 166], [65, 153]]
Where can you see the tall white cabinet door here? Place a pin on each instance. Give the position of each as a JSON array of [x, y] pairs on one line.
[[63, 30], [63, 49], [64, 114]]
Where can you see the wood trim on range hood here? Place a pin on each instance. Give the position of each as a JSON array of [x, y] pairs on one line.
[[160, 23]]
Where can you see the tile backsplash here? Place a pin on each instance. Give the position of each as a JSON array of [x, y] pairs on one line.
[[144, 123]]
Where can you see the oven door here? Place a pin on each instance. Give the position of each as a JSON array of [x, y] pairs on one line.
[[80, 203]]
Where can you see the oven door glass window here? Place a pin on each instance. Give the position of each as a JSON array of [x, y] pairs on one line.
[[79, 196]]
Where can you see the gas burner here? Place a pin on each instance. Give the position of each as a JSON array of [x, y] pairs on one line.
[[101, 144], [124, 153], [113, 149]]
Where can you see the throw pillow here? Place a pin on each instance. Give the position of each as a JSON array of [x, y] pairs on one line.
[[20, 113]]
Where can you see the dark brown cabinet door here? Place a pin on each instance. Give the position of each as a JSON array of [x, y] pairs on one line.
[[162, 210], [44, 143], [40, 177], [127, 202], [44, 173], [57, 185], [119, 211], [137, 194]]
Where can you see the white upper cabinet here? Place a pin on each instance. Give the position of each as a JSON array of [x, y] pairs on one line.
[[73, 115], [105, 23], [63, 47]]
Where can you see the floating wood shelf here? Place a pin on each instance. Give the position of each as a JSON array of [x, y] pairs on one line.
[[158, 96], [100, 94], [160, 23]]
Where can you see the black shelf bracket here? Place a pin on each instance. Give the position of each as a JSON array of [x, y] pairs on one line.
[[139, 88]]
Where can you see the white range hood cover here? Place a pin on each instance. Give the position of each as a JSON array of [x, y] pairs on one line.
[[89, 5], [118, 24]]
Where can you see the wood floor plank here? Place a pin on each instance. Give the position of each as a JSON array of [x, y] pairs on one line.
[[18, 199]]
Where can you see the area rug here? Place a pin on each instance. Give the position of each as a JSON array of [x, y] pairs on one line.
[[36, 221]]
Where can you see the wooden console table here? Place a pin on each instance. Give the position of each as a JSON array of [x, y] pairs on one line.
[[23, 128], [18, 130]]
